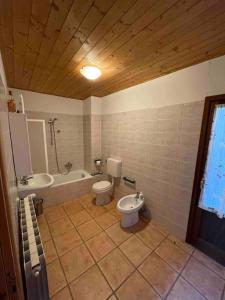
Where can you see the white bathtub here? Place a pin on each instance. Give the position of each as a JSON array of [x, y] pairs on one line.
[[68, 187], [71, 177]]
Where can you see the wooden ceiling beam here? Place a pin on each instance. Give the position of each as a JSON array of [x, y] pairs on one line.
[[175, 63], [111, 17], [6, 39], [21, 24], [59, 11], [68, 33], [167, 42], [39, 17], [94, 16], [44, 43], [208, 31], [155, 12]]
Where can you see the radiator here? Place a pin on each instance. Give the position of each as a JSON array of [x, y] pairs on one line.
[[32, 254]]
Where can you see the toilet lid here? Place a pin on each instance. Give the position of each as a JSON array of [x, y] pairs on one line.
[[101, 185]]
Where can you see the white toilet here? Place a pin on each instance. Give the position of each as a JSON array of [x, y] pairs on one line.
[[104, 189], [129, 206]]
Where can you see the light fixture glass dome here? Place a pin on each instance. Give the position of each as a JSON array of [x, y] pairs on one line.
[[90, 72]]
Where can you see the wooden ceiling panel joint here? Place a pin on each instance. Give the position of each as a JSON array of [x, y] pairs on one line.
[[44, 43]]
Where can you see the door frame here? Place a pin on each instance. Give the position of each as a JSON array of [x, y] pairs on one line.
[[11, 284], [195, 214]]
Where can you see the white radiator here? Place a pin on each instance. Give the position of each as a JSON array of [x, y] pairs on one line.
[[33, 259]]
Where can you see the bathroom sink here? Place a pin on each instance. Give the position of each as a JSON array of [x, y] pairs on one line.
[[36, 183]]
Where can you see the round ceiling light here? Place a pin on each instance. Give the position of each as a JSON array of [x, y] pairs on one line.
[[91, 72]]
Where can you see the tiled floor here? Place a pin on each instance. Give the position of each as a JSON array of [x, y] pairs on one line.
[[89, 256]]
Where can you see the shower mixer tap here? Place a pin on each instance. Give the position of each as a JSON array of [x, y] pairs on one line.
[[68, 166]]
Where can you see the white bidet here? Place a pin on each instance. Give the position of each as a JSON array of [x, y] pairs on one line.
[[129, 206]]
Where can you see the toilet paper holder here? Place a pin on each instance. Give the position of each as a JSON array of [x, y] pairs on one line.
[[98, 162]]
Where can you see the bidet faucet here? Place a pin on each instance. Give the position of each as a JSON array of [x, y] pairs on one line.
[[139, 195]]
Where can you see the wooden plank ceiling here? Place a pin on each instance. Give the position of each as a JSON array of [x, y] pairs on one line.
[[44, 43]]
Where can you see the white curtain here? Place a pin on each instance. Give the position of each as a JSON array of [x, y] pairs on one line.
[[213, 186]]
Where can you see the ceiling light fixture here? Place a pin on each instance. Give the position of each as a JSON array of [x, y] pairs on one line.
[[90, 72]]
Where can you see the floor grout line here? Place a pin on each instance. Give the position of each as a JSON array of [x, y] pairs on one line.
[[67, 285], [179, 275], [117, 246], [95, 262]]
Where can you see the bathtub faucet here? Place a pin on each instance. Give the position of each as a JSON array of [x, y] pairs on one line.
[[68, 166]]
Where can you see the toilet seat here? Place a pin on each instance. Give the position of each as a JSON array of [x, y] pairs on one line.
[[101, 186]]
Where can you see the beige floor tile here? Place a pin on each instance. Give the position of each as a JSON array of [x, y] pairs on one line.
[[208, 283], [56, 279], [151, 236], [61, 226], [135, 250], [106, 220], [91, 285], [45, 233], [50, 208], [160, 228], [136, 288], [89, 229], [41, 220], [96, 211], [55, 214], [76, 261], [173, 255], [67, 241], [210, 263], [50, 252], [140, 226], [116, 268], [100, 245], [87, 200], [112, 204], [185, 246], [182, 290], [73, 207], [116, 213], [118, 234], [62, 295], [158, 273], [80, 218]]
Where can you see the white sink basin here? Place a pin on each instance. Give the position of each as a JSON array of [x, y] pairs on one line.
[[38, 182]]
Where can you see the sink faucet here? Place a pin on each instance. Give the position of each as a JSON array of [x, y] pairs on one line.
[[24, 180]]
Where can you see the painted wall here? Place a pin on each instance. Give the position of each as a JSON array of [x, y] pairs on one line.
[[49, 103], [154, 127], [192, 84], [69, 126], [78, 128]]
